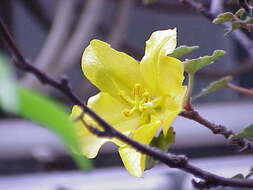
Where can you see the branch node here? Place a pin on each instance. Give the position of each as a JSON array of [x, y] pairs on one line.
[[65, 82]]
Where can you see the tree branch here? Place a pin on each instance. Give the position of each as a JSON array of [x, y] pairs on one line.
[[216, 129], [240, 89], [180, 162]]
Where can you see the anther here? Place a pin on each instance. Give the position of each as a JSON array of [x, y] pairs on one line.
[[129, 113], [125, 98], [142, 108], [137, 90], [146, 97], [145, 106]]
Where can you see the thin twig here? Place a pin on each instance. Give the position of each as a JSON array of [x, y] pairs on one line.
[[180, 162], [240, 89], [216, 129]]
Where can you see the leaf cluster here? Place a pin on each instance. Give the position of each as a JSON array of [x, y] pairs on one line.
[[241, 19]]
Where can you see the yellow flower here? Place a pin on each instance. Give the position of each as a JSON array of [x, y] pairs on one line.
[[136, 98]]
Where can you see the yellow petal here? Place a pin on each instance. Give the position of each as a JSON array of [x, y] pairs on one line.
[[145, 133], [171, 75], [111, 110], [162, 74], [89, 143], [133, 160], [110, 70], [171, 108], [168, 118]]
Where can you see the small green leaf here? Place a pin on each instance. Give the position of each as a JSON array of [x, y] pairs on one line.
[[163, 143], [238, 176], [53, 116], [193, 65], [32, 106], [8, 94], [246, 133], [216, 85], [240, 12], [183, 50], [223, 17]]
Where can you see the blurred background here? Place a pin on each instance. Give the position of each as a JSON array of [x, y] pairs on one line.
[[52, 34]]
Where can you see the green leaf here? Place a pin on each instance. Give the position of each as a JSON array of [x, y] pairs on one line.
[[246, 133], [183, 50], [8, 94], [163, 143], [193, 65], [223, 17], [240, 12], [53, 116], [238, 176], [216, 85], [32, 106]]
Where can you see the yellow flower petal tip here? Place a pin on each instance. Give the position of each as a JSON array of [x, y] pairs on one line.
[[137, 98], [133, 161]]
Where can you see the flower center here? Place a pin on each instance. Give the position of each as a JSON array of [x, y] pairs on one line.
[[141, 101]]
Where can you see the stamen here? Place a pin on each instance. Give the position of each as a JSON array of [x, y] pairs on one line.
[[146, 97], [125, 98], [145, 106], [137, 90], [129, 113]]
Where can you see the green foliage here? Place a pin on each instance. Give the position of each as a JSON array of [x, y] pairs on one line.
[[193, 65], [8, 94], [238, 176], [240, 12], [246, 133], [183, 50], [51, 115], [240, 19], [41, 110], [241, 176], [163, 143], [216, 85], [224, 17]]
